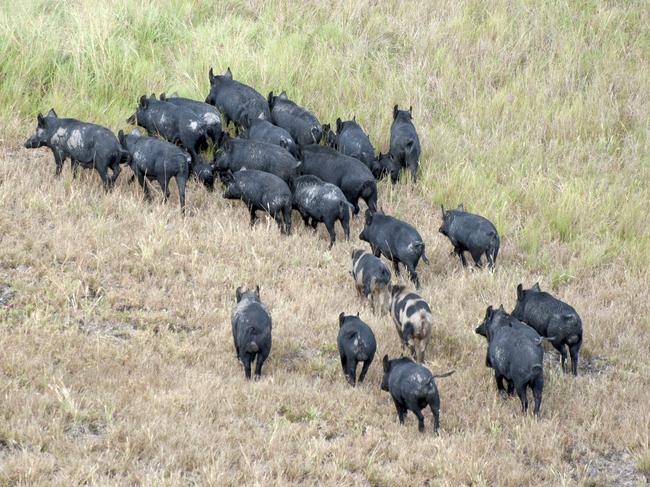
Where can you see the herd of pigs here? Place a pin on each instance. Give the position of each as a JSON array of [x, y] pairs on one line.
[[283, 159]]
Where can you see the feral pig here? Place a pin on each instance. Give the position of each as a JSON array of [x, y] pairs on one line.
[[352, 141], [208, 113], [386, 166], [404, 141], [235, 154], [413, 388], [86, 144], [322, 203], [371, 278], [303, 125], [356, 343], [412, 317], [204, 173], [516, 354], [553, 319], [236, 101], [260, 191], [396, 240], [251, 330], [264, 131], [471, 233], [173, 123], [154, 159], [355, 180]]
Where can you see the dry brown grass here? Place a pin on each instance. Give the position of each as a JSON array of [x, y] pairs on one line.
[[118, 365]]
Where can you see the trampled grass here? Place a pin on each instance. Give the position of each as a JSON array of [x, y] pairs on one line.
[[117, 364]]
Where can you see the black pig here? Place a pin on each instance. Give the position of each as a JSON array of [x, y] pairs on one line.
[[352, 141], [303, 125], [413, 388], [208, 113], [356, 343], [264, 131], [404, 141], [251, 330], [86, 144], [396, 240], [471, 233], [260, 191], [551, 318]]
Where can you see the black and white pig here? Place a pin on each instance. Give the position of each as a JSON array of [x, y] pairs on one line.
[[208, 113], [553, 319], [471, 233], [264, 131], [371, 278], [356, 343], [396, 240], [413, 320], [235, 154], [355, 180], [322, 203], [173, 123], [404, 141], [260, 191], [236, 101], [251, 330], [303, 125], [155, 159], [413, 388], [85, 144], [515, 354]]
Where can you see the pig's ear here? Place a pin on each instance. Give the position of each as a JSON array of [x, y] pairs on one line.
[[357, 314], [354, 118], [520, 292], [41, 120], [536, 287], [120, 137], [488, 312], [386, 363], [257, 291], [339, 125], [341, 318], [270, 99], [395, 108], [52, 114], [368, 217], [501, 308], [228, 73], [143, 101], [411, 110], [442, 207], [238, 294], [379, 156], [162, 96], [283, 95], [461, 207], [211, 75], [152, 97], [381, 210]]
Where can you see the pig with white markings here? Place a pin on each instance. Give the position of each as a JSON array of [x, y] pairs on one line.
[[371, 278], [208, 113], [413, 320]]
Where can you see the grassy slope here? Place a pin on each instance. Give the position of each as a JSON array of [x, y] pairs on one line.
[[536, 117]]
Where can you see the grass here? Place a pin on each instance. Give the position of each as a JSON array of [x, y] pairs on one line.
[[117, 363]]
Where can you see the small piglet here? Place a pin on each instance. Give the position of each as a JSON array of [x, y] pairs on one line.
[[157, 160], [176, 124], [471, 233], [303, 125], [355, 180], [413, 320], [260, 191], [396, 240], [86, 144], [208, 113], [413, 388], [404, 141], [264, 131], [236, 101], [516, 354], [553, 319], [251, 330], [356, 343], [235, 154], [352, 141], [322, 203], [371, 278]]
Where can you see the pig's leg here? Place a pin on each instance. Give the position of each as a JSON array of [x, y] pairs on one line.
[[476, 256], [574, 351], [59, 159], [395, 266], [246, 361], [538, 386], [261, 358], [364, 369], [351, 372], [436, 419], [253, 215], [521, 392], [180, 182], [502, 390], [563, 356], [287, 218], [103, 174], [277, 216], [329, 224], [74, 166], [344, 363], [401, 410], [413, 275], [143, 183], [345, 223], [413, 406]]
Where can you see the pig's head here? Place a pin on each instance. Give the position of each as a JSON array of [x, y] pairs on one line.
[[232, 191], [448, 218], [384, 166], [493, 320], [405, 115], [364, 233], [140, 112], [43, 133], [357, 254], [243, 295], [387, 366], [215, 81], [521, 297], [221, 158], [272, 99]]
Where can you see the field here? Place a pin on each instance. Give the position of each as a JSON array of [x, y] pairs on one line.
[[117, 364]]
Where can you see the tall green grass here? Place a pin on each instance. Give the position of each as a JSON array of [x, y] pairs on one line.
[[534, 115]]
